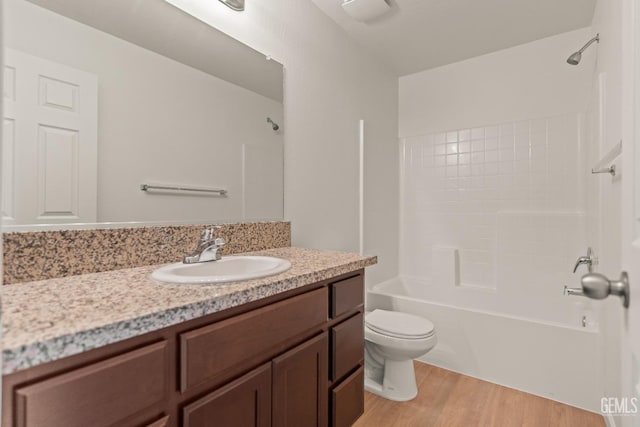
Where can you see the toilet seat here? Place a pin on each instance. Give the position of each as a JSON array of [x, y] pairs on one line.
[[399, 325]]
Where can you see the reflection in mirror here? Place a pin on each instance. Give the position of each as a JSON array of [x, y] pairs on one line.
[[105, 96]]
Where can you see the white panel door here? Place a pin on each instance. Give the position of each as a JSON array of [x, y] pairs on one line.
[[49, 170], [8, 144]]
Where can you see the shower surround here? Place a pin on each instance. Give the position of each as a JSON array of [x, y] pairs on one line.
[[494, 215], [505, 203], [492, 221]]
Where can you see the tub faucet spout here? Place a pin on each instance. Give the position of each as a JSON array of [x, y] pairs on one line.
[[573, 291]]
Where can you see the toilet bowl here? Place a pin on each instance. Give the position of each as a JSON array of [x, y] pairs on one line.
[[392, 341]]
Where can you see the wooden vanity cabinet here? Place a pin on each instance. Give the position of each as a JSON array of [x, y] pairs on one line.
[[347, 350], [294, 359], [110, 392], [244, 402]]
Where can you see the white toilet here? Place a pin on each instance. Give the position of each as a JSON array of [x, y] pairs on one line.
[[392, 341]]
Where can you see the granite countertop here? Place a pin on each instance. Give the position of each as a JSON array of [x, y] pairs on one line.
[[51, 319]]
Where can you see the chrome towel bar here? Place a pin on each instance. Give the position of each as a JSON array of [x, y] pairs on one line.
[[151, 187]]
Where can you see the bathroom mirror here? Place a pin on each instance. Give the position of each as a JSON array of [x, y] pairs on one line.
[[103, 97]]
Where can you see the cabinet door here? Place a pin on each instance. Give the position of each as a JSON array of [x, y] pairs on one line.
[[300, 385], [348, 400], [107, 393], [245, 402]]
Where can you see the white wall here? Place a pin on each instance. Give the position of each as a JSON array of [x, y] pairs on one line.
[[162, 122], [1, 115], [330, 84], [521, 83]]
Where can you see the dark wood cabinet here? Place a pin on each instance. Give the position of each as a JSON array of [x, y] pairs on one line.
[[346, 294], [292, 359], [162, 422], [347, 400], [212, 353], [300, 385], [346, 342], [102, 394], [245, 402], [346, 334]]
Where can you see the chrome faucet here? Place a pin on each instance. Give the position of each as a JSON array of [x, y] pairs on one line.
[[589, 260], [573, 291], [208, 247]]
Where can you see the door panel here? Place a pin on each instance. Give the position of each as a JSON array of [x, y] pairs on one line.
[[50, 142], [245, 402], [300, 385]]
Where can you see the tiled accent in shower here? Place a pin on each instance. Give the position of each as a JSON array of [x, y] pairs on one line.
[[458, 186]]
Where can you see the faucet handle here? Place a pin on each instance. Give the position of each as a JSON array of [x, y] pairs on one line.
[[589, 260], [207, 234], [582, 260]]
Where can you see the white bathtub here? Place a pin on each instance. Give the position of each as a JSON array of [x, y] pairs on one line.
[[555, 361]]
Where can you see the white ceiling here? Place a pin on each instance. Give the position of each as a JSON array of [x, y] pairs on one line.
[[420, 34]]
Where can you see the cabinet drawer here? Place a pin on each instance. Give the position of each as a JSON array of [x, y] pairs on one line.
[[219, 351], [346, 295], [101, 394], [347, 400], [244, 402], [347, 344]]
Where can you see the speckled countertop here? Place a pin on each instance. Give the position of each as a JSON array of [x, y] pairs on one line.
[[50, 319]]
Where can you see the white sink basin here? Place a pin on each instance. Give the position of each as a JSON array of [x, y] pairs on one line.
[[228, 269]]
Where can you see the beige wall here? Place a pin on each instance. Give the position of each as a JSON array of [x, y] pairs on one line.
[[330, 84]]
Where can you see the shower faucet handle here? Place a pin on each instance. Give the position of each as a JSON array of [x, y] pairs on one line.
[[583, 260], [589, 260]]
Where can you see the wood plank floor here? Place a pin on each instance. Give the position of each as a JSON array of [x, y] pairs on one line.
[[446, 398]]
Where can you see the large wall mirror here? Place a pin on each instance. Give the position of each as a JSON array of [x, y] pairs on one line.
[[102, 97]]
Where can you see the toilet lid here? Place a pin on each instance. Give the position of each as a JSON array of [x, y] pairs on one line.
[[399, 325]]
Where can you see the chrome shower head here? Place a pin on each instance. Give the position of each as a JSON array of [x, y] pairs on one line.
[[575, 57], [237, 5], [274, 125]]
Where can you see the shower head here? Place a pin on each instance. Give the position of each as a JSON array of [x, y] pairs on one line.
[[237, 5], [575, 57], [274, 125]]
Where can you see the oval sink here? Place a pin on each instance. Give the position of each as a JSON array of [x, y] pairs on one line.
[[228, 269]]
